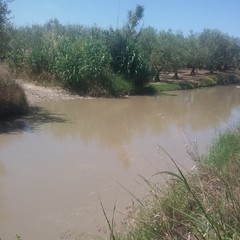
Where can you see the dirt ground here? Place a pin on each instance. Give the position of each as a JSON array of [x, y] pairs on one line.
[[185, 75], [35, 93]]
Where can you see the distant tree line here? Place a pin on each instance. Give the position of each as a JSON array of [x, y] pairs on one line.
[[111, 61]]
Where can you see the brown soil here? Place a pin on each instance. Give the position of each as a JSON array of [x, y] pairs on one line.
[[35, 93]]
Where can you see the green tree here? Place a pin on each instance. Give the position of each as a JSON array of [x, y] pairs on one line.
[[147, 41], [194, 57], [127, 56], [4, 36], [220, 50], [170, 52], [134, 18]]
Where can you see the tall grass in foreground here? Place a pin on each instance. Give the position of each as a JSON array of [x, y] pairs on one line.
[[12, 97], [203, 204]]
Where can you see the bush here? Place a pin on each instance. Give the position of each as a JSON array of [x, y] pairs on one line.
[[117, 86], [209, 81], [127, 57], [12, 97], [225, 79]]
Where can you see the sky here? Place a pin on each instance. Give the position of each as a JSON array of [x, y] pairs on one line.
[[184, 15]]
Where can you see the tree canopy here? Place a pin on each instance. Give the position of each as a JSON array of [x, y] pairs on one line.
[[4, 12], [83, 57]]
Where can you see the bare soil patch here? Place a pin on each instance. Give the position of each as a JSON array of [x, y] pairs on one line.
[[35, 93]]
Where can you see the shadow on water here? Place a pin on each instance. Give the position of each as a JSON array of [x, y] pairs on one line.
[[30, 122]]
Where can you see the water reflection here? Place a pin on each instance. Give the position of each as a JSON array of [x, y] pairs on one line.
[[36, 117], [115, 123]]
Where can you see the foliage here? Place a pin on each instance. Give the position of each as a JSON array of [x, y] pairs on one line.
[[169, 53], [4, 33], [81, 64], [194, 55], [84, 58], [209, 81], [134, 19], [118, 86], [12, 98], [220, 50], [127, 56]]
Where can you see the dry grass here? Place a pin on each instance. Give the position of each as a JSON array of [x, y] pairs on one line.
[[12, 97]]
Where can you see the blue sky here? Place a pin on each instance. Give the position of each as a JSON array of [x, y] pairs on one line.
[[182, 15]]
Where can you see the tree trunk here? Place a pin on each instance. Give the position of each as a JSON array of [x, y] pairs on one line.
[[211, 69], [193, 73], [157, 76], [176, 75]]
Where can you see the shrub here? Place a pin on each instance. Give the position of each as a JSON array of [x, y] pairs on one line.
[[225, 79], [12, 97], [127, 57], [118, 86], [186, 85], [209, 81]]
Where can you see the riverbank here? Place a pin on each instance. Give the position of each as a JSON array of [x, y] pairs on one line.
[[203, 204], [187, 81], [36, 93], [17, 95], [31, 91]]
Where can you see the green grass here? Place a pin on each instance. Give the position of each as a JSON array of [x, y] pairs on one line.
[[12, 97], [202, 204], [117, 86], [155, 88], [205, 81], [224, 148]]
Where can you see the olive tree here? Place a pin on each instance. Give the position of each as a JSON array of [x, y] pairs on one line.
[[219, 49], [170, 52], [194, 56]]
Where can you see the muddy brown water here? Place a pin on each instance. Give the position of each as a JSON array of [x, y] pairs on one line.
[[58, 163]]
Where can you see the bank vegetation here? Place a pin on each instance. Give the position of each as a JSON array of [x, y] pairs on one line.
[[202, 204], [116, 62]]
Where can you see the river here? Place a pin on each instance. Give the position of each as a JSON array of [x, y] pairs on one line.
[[58, 163]]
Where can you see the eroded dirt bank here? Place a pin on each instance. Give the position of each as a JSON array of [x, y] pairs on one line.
[[35, 93]]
